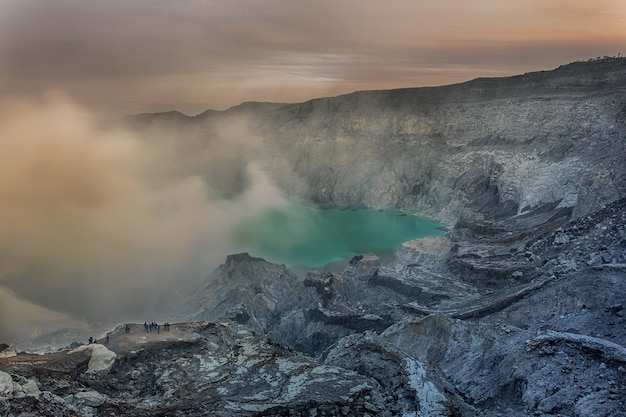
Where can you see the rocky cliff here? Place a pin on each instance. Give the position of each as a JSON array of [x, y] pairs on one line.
[[487, 148]]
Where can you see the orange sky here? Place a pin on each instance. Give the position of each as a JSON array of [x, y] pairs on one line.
[[126, 56]]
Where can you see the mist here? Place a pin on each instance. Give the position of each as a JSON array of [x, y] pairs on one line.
[[100, 224]]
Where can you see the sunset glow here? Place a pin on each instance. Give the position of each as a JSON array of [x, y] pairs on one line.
[[120, 57]]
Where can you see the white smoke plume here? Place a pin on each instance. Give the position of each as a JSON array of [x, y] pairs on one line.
[[91, 224]]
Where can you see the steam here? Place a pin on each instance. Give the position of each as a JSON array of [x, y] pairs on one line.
[[93, 226], [22, 320]]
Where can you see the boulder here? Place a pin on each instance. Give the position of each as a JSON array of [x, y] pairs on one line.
[[102, 359], [6, 384]]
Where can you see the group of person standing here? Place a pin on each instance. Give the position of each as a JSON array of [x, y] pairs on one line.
[[150, 327]]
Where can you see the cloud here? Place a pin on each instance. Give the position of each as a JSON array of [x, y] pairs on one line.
[[123, 57], [98, 223], [21, 320]]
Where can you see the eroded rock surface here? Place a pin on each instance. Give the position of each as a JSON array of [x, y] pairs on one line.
[[521, 317], [194, 369], [484, 149]]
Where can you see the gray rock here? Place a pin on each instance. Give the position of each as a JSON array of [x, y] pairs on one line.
[[485, 149], [6, 384], [407, 386], [101, 360], [89, 398], [225, 371], [561, 239]]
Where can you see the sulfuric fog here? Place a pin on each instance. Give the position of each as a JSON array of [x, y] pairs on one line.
[[99, 224]]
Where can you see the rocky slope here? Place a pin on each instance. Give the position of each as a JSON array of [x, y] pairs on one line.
[[192, 369], [517, 311], [522, 316], [486, 149], [514, 317]]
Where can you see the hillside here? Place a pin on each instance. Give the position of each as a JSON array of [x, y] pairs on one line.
[[487, 148]]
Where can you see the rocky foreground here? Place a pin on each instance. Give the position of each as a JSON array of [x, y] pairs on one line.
[[518, 311], [513, 318]]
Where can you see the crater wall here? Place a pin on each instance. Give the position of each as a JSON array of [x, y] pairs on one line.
[[484, 149]]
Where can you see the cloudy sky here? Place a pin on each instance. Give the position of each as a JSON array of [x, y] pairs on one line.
[[128, 56]]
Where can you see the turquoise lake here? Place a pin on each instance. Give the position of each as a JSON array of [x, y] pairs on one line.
[[302, 236]]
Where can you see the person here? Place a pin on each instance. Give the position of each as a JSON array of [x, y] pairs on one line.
[[127, 329], [107, 339], [90, 340]]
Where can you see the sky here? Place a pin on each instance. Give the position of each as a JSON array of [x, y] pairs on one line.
[[119, 57]]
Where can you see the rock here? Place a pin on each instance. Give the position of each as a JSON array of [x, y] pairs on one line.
[[424, 251], [6, 384], [7, 351], [362, 267], [30, 388], [23, 387], [605, 348], [406, 384], [592, 404], [90, 398], [102, 359], [245, 288], [549, 405], [561, 239], [211, 369]]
